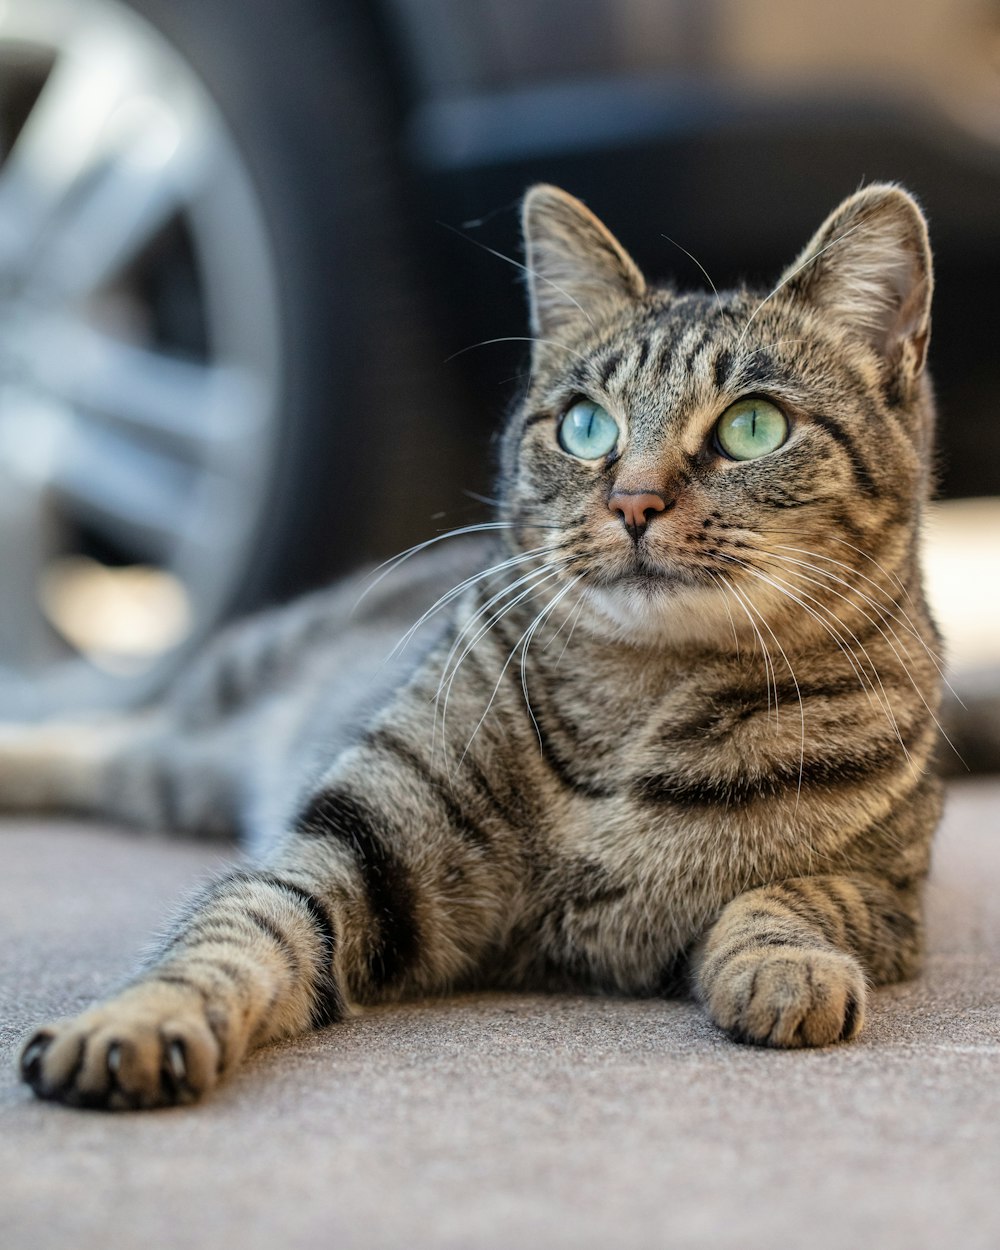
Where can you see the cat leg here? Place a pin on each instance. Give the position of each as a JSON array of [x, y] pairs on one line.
[[140, 769], [788, 964], [59, 765], [254, 959], [350, 909]]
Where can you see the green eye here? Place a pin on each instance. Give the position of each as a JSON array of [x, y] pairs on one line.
[[751, 428], [588, 431]]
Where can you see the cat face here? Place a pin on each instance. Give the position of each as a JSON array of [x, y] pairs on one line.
[[704, 465]]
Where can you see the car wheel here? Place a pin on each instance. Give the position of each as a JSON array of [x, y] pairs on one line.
[[181, 290]]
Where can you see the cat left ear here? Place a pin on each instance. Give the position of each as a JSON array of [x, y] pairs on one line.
[[577, 269], [869, 267]]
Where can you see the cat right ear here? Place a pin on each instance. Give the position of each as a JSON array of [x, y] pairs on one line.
[[869, 268], [577, 270]]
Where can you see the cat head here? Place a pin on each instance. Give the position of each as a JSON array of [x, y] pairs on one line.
[[693, 463]]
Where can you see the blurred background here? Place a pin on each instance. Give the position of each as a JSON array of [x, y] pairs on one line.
[[246, 249]]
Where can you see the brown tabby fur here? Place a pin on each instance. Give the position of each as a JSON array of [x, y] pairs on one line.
[[698, 755]]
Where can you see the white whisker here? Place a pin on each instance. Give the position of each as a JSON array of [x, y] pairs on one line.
[[516, 338], [884, 614], [526, 635], [524, 268], [446, 683], [389, 566], [892, 576], [789, 276], [574, 619], [798, 692], [865, 682], [736, 638], [456, 591], [769, 677], [888, 641], [542, 573], [715, 292], [783, 588]]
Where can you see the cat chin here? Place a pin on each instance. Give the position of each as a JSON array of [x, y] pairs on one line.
[[667, 614]]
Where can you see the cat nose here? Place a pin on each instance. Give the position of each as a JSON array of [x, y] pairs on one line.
[[636, 508]]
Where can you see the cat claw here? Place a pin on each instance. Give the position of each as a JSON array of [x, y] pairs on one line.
[[32, 1055], [176, 1059], [114, 1059]]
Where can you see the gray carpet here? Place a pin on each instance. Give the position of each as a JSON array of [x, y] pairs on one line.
[[504, 1121]]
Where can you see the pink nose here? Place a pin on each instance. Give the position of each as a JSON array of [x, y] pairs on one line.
[[636, 508]]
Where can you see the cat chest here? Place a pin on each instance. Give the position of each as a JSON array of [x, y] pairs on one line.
[[730, 775]]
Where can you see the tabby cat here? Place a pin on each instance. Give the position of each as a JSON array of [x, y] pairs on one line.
[[667, 723]]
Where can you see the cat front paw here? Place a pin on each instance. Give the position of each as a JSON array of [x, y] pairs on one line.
[[150, 1047], [789, 997]]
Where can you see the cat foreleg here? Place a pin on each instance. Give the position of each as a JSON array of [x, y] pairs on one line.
[[354, 906], [788, 964], [254, 959]]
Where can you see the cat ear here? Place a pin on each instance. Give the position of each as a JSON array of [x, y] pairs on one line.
[[869, 267], [577, 269]]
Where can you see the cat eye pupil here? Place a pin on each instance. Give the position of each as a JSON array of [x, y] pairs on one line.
[[588, 431], [751, 428]]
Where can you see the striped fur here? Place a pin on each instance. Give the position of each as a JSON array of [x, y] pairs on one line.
[[696, 756]]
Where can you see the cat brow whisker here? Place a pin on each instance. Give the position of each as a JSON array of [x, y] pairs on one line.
[[789, 276], [494, 503], [540, 277], [690, 256], [781, 342], [515, 338]]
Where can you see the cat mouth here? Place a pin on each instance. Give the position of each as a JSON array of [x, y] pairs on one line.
[[654, 578]]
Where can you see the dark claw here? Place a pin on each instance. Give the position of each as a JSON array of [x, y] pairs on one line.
[[114, 1059], [31, 1058], [850, 1018], [173, 1069]]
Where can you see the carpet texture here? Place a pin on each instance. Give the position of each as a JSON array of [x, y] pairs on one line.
[[503, 1121]]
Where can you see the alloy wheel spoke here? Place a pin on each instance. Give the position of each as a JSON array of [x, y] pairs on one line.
[[153, 163], [201, 408], [61, 139], [141, 500]]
